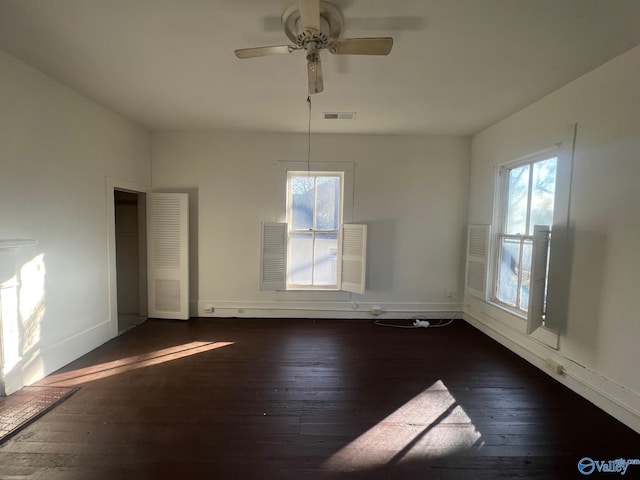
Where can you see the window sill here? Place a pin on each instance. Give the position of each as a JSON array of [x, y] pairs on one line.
[[544, 335], [303, 288], [313, 295], [514, 313]]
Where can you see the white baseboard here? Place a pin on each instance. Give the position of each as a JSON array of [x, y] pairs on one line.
[[614, 399], [49, 359], [13, 381], [325, 309]]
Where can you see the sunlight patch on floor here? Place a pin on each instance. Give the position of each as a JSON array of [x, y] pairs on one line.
[[432, 424], [108, 369]]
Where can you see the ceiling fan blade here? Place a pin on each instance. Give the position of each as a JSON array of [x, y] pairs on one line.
[[264, 51], [362, 46], [310, 14], [314, 70], [385, 24]]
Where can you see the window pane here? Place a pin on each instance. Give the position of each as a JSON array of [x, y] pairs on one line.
[[325, 255], [301, 258], [302, 197], [507, 285], [517, 200], [542, 193], [525, 273], [327, 215]]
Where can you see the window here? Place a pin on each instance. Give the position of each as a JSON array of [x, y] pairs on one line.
[[309, 252], [314, 216], [528, 192]]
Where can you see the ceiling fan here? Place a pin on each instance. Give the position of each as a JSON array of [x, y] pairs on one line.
[[313, 26]]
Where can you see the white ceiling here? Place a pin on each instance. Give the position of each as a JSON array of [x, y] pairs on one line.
[[457, 66]]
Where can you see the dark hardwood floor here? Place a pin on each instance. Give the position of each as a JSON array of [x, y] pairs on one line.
[[297, 399]]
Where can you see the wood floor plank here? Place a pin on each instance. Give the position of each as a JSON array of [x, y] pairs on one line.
[[310, 399]]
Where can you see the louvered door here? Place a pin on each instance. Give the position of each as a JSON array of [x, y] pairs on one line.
[[353, 258], [168, 255], [273, 257], [477, 260], [538, 277]]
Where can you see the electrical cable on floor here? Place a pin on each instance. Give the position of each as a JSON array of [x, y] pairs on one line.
[[419, 321], [381, 323]]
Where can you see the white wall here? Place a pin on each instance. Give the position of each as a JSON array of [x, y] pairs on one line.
[[599, 337], [410, 191], [56, 148]]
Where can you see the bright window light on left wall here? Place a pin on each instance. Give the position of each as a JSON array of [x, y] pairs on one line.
[[31, 301]]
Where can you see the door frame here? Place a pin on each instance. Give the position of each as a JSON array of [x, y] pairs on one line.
[[111, 185]]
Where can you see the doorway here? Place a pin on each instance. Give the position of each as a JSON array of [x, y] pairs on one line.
[[131, 258]]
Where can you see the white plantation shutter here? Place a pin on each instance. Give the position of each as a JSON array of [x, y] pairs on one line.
[[353, 258], [273, 259], [538, 276], [168, 255], [477, 260]]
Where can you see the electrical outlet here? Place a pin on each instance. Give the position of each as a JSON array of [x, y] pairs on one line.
[[208, 309], [451, 293], [375, 310], [554, 366]]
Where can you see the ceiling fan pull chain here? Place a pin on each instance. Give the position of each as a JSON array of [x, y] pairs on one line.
[[309, 137]]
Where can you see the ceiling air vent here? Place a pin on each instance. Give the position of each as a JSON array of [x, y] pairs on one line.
[[339, 115]]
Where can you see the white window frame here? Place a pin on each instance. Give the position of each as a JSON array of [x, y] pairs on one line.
[[313, 231], [501, 221], [273, 251], [560, 247]]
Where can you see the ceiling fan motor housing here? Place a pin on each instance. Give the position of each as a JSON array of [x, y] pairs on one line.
[[307, 36], [331, 24]]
